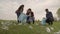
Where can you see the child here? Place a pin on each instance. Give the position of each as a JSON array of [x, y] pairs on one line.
[[43, 22]]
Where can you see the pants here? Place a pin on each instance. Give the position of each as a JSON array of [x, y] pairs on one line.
[[30, 19], [18, 17], [49, 21]]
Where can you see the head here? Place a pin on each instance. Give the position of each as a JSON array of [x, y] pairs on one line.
[[29, 10], [46, 10], [21, 8]]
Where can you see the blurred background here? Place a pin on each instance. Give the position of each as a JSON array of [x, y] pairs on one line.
[[8, 8]]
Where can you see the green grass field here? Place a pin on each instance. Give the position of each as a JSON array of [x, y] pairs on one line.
[[37, 28]]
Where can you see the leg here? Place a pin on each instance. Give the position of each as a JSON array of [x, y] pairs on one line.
[[17, 17], [28, 20], [47, 21], [51, 22], [33, 21], [18, 21]]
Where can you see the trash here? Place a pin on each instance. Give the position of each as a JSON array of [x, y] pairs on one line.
[[43, 22], [4, 27], [47, 29], [57, 32], [14, 24], [22, 18], [30, 27], [37, 24], [20, 24], [52, 28]]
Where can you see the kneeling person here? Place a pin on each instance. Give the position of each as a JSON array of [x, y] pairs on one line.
[[30, 16]]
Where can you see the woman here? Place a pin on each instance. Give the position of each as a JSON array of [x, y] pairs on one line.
[[30, 16], [19, 11]]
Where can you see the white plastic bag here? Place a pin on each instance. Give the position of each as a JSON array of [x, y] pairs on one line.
[[22, 17]]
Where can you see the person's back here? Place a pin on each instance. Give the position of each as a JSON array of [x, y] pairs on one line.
[[49, 16]]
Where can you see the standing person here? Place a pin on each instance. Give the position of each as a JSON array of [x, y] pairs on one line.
[[19, 11], [49, 17], [30, 16]]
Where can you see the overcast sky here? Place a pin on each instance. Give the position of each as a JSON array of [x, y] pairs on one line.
[[8, 7]]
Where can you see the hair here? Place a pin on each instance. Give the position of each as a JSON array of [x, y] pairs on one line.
[[21, 7], [28, 10], [46, 9]]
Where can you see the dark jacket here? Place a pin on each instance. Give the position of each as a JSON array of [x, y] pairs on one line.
[[49, 16]]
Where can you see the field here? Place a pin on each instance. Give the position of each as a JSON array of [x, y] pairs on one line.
[[12, 27]]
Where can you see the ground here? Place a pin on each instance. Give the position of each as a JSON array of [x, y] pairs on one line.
[[12, 27]]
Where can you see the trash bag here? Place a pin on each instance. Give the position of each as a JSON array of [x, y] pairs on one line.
[[22, 18], [43, 22]]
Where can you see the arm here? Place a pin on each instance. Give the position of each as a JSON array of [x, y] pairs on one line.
[[32, 14]]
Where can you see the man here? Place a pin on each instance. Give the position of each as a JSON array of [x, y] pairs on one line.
[[49, 17]]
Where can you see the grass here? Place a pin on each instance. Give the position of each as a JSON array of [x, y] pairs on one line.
[[24, 29]]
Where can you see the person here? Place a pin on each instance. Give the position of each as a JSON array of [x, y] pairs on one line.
[[18, 11], [30, 16], [49, 17]]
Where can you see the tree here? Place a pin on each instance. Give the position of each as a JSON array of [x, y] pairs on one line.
[[58, 13]]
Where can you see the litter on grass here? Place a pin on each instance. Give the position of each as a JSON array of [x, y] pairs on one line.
[[48, 30]]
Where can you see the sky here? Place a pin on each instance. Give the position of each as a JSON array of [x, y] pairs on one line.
[[8, 8]]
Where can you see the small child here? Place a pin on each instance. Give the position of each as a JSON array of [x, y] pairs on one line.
[[43, 22]]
